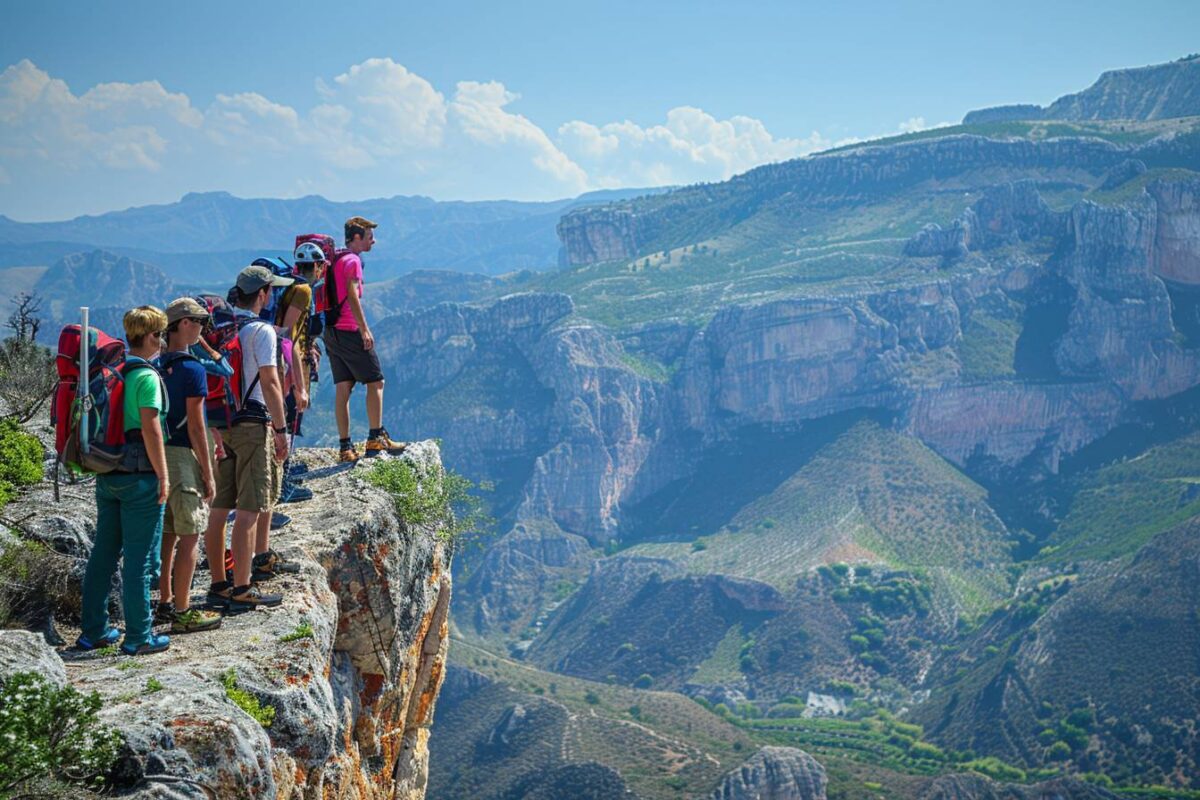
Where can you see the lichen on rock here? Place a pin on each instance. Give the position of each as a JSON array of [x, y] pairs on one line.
[[352, 698]]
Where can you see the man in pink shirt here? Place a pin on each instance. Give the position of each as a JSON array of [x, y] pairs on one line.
[[350, 346]]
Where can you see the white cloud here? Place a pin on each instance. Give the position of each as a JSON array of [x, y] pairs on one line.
[[479, 110], [376, 129], [690, 146], [116, 124]]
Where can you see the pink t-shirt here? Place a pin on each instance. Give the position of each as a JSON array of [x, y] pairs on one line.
[[348, 268]]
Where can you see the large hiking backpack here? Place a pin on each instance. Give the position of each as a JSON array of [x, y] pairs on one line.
[[322, 240], [279, 267], [226, 402], [100, 411], [316, 319], [221, 336], [333, 309]]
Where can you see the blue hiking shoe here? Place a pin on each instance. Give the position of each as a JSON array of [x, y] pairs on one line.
[[155, 644], [109, 638]]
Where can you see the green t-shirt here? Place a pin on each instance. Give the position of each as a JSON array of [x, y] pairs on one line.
[[141, 391]]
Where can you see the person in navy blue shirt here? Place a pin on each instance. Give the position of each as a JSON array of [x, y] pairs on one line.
[[189, 464]]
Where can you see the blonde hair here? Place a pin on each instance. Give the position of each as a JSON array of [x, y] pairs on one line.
[[141, 321]]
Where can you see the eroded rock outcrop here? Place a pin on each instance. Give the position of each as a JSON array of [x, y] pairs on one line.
[[775, 773], [977, 787], [350, 665]]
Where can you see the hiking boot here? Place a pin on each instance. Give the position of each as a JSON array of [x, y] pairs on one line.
[[219, 594], [164, 613], [297, 468], [270, 565], [248, 598], [348, 456], [194, 620], [109, 637], [378, 445], [155, 644], [294, 493]]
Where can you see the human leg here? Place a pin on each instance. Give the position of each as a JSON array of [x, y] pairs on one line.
[[102, 562], [141, 533]]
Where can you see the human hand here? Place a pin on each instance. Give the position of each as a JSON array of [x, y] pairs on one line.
[[210, 490], [368, 340], [164, 489], [219, 450], [281, 447], [301, 400]]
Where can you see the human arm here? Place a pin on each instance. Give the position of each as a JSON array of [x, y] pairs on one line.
[[268, 378], [357, 310], [199, 439], [152, 437], [211, 359]]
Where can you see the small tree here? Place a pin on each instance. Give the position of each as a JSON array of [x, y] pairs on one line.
[[27, 374]]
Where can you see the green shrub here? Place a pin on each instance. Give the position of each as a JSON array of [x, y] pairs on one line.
[[859, 643], [444, 499], [841, 569], [644, 681], [153, 685], [925, 750], [36, 584], [20, 459], [698, 546], [592, 698], [1059, 751], [303, 630], [263, 715], [993, 767], [47, 731]]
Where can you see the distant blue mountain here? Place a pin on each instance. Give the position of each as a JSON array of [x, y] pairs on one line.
[[216, 229]]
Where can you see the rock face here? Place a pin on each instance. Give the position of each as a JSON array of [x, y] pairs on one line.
[[977, 787], [775, 773], [351, 663], [632, 228], [657, 620], [1160, 91], [25, 651], [107, 283], [558, 415]]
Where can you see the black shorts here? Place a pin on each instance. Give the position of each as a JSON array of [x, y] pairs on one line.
[[348, 360]]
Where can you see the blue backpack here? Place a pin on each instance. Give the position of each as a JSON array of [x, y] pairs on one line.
[[279, 267]]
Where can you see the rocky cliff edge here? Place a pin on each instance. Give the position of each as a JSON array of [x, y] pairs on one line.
[[351, 663]]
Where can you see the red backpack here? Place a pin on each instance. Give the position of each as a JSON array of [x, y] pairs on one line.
[[223, 404], [100, 411], [321, 240], [333, 309]]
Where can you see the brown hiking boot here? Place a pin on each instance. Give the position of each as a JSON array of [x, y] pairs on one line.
[[383, 443], [249, 598], [194, 620], [348, 456]]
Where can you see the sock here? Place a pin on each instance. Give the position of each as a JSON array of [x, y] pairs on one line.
[[345, 444], [375, 433]]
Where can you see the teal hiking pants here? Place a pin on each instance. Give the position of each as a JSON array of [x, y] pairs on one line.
[[129, 523]]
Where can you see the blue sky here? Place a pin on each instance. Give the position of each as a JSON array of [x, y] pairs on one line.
[[108, 105]]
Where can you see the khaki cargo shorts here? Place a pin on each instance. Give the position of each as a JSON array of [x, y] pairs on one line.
[[245, 480], [186, 513]]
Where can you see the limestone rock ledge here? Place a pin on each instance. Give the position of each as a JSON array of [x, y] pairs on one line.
[[353, 701]]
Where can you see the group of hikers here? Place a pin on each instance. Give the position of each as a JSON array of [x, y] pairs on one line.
[[184, 468]]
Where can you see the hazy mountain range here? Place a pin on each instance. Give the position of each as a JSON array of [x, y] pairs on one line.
[[868, 474]]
